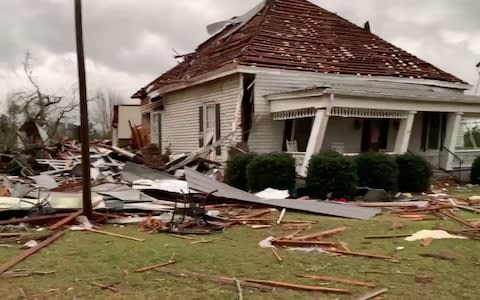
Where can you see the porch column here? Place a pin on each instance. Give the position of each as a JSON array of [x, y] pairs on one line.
[[317, 135], [454, 120], [404, 133]]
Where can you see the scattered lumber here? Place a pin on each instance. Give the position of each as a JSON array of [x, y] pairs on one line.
[[293, 243], [322, 234], [255, 214], [371, 295], [71, 217], [15, 260], [216, 279], [141, 270], [389, 258], [340, 280], [12, 234], [116, 235], [105, 287], [300, 287], [456, 219]]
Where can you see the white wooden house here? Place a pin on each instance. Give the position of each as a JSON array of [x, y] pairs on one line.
[[291, 76]]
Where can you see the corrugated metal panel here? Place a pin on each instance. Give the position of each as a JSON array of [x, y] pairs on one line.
[[180, 125], [203, 183]]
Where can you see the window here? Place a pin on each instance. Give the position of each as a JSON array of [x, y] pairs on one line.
[[210, 121], [468, 136], [434, 128], [209, 125]]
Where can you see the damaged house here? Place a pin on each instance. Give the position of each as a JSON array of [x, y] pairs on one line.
[[291, 76]]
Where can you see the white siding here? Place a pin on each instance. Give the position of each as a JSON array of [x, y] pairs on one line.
[[128, 113], [180, 124]]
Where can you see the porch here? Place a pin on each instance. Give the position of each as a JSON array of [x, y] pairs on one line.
[[444, 138]]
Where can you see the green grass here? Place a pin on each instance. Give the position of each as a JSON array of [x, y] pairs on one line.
[[81, 257]]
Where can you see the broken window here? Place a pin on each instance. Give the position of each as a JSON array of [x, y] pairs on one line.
[[434, 128], [248, 105]]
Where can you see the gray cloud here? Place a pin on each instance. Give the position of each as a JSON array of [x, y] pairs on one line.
[[130, 42]]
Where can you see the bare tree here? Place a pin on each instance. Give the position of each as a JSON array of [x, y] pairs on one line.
[[36, 105]]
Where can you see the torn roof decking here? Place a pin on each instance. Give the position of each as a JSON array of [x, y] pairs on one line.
[[203, 183], [299, 35]]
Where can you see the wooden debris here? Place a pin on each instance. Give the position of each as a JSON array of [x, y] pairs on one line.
[[456, 219], [282, 214], [389, 258], [387, 236], [239, 289], [322, 234], [71, 217], [426, 242], [344, 245], [25, 273], [255, 214], [423, 279], [293, 243], [388, 273], [438, 256], [182, 236], [15, 260], [116, 235], [11, 234], [396, 224], [105, 287], [279, 258], [300, 287], [260, 226], [216, 279], [373, 294], [141, 270], [340, 280], [202, 241]]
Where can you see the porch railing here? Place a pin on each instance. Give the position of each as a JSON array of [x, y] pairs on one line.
[[299, 157]]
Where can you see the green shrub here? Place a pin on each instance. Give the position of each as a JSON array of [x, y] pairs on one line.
[[475, 173], [414, 173], [274, 170], [236, 170], [377, 170], [331, 172]]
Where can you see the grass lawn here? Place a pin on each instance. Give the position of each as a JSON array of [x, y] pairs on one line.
[[81, 257]]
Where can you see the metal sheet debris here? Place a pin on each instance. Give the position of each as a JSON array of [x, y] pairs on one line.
[[201, 182]]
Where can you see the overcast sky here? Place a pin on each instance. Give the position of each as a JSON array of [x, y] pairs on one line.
[[130, 42]]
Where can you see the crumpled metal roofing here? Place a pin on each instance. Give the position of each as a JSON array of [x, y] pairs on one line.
[[299, 35]]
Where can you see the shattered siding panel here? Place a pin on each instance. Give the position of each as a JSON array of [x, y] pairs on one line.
[[180, 125]]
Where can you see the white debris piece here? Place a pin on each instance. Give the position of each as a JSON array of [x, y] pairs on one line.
[[270, 193], [266, 243], [169, 185], [433, 234]]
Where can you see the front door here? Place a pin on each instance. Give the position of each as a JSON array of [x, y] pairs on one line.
[[374, 135]]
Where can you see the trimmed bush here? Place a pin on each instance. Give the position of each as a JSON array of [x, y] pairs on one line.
[[271, 170], [414, 173], [475, 173], [236, 170], [331, 172], [377, 170]]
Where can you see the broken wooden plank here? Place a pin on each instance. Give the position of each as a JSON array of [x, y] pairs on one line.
[[391, 236], [322, 234], [373, 294], [300, 287], [254, 214], [438, 256], [279, 258], [71, 217], [15, 260], [105, 287], [426, 242], [116, 235], [170, 262], [457, 219], [216, 279], [12, 234], [390, 258], [293, 243], [340, 280]]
